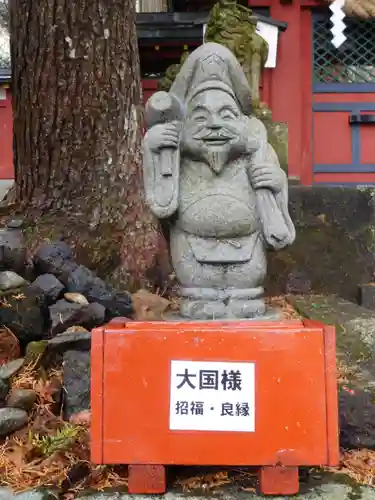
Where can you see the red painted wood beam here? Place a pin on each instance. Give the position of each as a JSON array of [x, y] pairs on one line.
[[306, 173], [286, 95]]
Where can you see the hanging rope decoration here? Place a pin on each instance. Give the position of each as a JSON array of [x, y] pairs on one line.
[[364, 9]]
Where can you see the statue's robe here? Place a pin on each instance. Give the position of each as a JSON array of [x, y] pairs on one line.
[[222, 214]]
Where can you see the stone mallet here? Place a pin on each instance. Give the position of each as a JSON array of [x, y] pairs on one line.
[[163, 107]]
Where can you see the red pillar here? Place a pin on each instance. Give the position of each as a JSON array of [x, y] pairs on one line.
[[286, 89], [6, 137], [306, 170]]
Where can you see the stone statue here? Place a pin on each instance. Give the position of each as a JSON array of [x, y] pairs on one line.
[[234, 26], [209, 170]]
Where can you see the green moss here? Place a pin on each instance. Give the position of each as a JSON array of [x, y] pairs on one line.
[[165, 83], [35, 352], [59, 441], [98, 249]]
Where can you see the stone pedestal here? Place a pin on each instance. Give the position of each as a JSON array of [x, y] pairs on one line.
[[234, 393]]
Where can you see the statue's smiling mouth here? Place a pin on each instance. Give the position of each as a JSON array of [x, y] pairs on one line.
[[217, 140]]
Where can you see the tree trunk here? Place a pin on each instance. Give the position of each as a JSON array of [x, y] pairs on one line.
[[77, 131]]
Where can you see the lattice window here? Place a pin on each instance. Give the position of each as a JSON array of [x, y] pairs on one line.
[[353, 62]]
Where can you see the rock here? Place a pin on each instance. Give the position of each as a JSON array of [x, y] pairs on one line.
[[61, 315], [119, 305], [91, 315], [367, 295], [82, 280], [6, 494], [76, 380], [79, 280], [15, 223], [23, 399], [9, 280], [51, 257], [99, 291], [25, 315], [4, 389], [11, 419], [64, 271], [64, 314], [13, 254], [79, 341], [75, 329], [357, 418], [116, 303], [149, 306], [81, 418], [35, 495], [50, 286], [77, 298], [10, 369]]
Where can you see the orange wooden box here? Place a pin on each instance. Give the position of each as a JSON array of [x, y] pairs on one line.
[[292, 396]]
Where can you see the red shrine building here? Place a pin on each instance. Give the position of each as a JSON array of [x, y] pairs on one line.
[[324, 94]]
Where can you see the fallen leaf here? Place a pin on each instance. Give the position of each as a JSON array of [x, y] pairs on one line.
[[9, 346]]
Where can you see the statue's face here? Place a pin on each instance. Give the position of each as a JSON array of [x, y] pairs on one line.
[[213, 122]]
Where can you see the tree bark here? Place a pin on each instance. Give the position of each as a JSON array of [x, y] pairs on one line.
[[77, 131]]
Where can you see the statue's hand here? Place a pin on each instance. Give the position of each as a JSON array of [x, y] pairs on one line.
[[268, 176], [165, 135]]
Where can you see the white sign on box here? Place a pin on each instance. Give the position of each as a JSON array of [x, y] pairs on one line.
[[212, 396], [270, 34]]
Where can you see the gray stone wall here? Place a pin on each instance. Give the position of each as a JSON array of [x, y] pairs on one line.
[[335, 244]]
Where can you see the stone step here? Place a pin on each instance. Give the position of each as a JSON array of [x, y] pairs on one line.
[[328, 491]]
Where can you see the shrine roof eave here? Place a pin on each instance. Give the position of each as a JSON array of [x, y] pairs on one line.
[[189, 19], [281, 25], [184, 26]]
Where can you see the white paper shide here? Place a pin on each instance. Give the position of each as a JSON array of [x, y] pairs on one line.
[[338, 25], [270, 33], [212, 396]]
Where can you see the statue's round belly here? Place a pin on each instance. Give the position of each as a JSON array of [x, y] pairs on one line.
[[218, 215]]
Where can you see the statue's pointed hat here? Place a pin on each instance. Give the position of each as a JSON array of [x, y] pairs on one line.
[[212, 66]]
